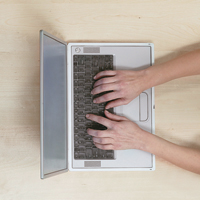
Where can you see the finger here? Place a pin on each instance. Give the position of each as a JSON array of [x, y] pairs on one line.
[[103, 140], [104, 80], [99, 133], [104, 146], [105, 73], [107, 97], [114, 117], [104, 87], [115, 103], [101, 120]]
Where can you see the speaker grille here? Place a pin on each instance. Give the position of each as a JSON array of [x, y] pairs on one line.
[[91, 50], [92, 163]]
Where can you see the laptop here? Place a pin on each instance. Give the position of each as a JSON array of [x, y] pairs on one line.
[[66, 80]]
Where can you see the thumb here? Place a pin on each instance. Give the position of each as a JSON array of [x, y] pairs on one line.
[[114, 117]]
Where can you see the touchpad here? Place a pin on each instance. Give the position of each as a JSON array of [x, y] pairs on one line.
[[136, 110], [131, 110]]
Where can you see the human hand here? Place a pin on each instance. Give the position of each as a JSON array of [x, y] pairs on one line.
[[121, 133], [125, 86]]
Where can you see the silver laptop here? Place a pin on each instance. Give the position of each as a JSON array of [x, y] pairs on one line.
[[66, 79]]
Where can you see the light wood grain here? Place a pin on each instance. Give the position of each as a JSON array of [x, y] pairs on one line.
[[174, 28]]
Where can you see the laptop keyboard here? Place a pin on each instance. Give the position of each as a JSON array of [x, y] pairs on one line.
[[85, 68]]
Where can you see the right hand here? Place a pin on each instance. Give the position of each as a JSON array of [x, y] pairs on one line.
[[121, 133], [125, 85]]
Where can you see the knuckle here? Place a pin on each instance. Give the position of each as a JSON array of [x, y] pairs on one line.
[[121, 84], [102, 81], [101, 120], [102, 98], [117, 126], [97, 82], [94, 139], [97, 133], [108, 141], [112, 134], [114, 147], [112, 126], [112, 140], [98, 100], [103, 87], [124, 101], [94, 90], [122, 93], [89, 131], [100, 140], [104, 140], [106, 97], [100, 134]]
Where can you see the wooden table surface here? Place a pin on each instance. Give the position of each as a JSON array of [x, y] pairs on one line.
[[174, 28]]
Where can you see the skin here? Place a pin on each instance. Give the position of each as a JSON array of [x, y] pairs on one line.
[[122, 133], [121, 82]]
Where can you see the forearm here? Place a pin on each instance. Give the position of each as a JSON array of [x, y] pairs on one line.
[[185, 65], [186, 158]]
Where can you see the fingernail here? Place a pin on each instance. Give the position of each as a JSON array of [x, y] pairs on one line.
[[94, 101], [94, 77], [87, 115], [91, 92]]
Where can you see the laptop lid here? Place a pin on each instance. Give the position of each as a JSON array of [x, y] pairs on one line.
[[53, 105]]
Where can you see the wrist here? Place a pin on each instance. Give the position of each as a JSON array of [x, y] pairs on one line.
[[150, 142], [143, 78], [152, 76]]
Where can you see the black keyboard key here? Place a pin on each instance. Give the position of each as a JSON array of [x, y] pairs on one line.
[[88, 153], [81, 68], [76, 155], [75, 75], [82, 148], [81, 155], [102, 153], [88, 144], [76, 137], [81, 75], [110, 155]]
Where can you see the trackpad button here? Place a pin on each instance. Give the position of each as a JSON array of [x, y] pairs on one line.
[[143, 106]]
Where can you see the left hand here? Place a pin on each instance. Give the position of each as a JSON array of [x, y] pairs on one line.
[[121, 133]]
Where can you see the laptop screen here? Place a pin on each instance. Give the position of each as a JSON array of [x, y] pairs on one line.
[[53, 79]]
